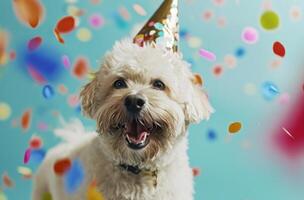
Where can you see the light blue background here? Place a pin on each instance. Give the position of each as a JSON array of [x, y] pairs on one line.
[[228, 170]]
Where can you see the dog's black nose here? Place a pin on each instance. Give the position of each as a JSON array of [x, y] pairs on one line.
[[134, 103]]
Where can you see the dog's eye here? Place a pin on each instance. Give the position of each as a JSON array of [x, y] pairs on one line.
[[158, 84], [119, 84]]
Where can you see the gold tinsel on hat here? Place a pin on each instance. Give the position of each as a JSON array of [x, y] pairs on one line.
[[162, 28]]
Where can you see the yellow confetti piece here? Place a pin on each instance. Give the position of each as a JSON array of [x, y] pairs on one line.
[[93, 193], [5, 111], [139, 10], [2, 196], [84, 35], [25, 171], [234, 127], [47, 196]]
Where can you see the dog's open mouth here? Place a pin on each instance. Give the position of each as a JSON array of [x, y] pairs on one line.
[[137, 135]]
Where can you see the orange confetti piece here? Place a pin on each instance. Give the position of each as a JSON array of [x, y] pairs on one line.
[[235, 127], [81, 68], [26, 120], [4, 39], [29, 12], [7, 181]]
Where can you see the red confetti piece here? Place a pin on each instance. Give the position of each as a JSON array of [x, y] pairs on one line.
[[26, 120], [27, 156], [12, 55], [64, 25], [217, 70], [34, 43], [4, 39], [62, 166], [29, 12], [81, 68], [279, 49], [7, 181], [196, 171], [36, 142]]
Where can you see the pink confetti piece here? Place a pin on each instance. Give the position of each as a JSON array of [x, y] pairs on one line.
[[96, 21], [27, 156], [34, 43], [207, 55], [66, 61]]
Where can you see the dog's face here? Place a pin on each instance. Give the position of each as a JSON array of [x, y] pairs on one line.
[[142, 100]]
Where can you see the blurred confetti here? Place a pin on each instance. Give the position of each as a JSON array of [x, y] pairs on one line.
[[269, 90], [27, 155], [30, 12], [7, 180], [96, 20], [25, 172], [93, 193], [35, 142], [64, 26], [47, 196], [139, 10], [74, 177], [5, 111], [250, 35], [62, 166], [211, 135], [2, 195], [4, 40], [207, 55], [26, 120], [84, 34], [81, 68], [48, 92], [270, 20]]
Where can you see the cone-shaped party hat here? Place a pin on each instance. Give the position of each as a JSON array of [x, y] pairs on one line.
[[162, 28]]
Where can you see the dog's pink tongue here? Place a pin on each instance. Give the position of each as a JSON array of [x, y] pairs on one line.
[[136, 132]]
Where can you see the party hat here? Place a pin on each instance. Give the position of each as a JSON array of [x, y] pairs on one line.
[[162, 28]]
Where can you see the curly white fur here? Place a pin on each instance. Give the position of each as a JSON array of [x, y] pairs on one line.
[[101, 153]]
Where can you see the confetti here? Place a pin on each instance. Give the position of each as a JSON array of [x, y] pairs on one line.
[[96, 21], [25, 172], [240, 52], [62, 166], [230, 61], [81, 68], [4, 40], [62, 89], [218, 2], [250, 89], [5, 111], [270, 20], [207, 55], [269, 90], [26, 120], [217, 70], [284, 99], [93, 193], [34, 43], [84, 35], [124, 13], [194, 42], [139, 10], [65, 25], [29, 12], [295, 13], [48, 92], [42, 126], [66, 61], [211, 135], [196, 171], [7, 181], [73, 100], [74, 177], [35, 142], [234, 127], [2, 196], [47, 196], [27, 155], [250, 35], [278, 49], [37, 155], [207, 15]]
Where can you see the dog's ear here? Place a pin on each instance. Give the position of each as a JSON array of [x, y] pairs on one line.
[[88, 97], [198, 107]]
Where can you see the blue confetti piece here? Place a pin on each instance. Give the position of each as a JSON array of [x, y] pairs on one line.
[[211, 134], [120, 22], [48, 92], [240, 52], [183, 33], [269, 90], [37, 155], [74, 177]]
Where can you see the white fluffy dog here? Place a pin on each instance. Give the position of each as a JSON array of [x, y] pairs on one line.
[[143, 101]]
